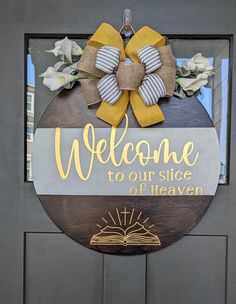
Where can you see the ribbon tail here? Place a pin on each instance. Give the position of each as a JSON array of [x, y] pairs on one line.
[[114, 113], [90, 91], [145, 115]]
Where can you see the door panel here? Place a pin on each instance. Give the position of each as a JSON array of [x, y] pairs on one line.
[[215, 221], [56, 273], [34, 214], [190, 271], [124, 279]]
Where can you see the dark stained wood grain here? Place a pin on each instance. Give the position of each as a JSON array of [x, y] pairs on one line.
[[69, 109], [170, 218]]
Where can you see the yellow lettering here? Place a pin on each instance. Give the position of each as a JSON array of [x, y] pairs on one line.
[[130, 152], [74, 152]]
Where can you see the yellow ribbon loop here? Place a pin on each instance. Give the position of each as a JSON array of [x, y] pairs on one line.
[[145, 36], [107, 35]]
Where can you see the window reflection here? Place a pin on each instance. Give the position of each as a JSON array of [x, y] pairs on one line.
[[214, 97], [30, 115]]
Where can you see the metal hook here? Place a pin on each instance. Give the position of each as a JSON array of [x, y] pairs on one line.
[[127, 28]]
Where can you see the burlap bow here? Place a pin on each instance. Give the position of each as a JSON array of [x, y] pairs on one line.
[[110, 86], [151, 74]]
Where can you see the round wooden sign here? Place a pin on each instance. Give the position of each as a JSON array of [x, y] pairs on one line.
[[128, 190]]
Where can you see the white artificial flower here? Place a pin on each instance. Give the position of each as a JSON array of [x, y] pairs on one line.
[[71, 68], [200, 62], [55, 80], [60, 65], [193, 84], [67, 48]]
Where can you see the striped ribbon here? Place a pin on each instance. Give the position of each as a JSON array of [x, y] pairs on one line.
[[109, 89], [152, 87], [108, 59], [150, 57]]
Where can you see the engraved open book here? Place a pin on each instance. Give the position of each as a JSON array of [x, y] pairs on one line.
[[136, 234]]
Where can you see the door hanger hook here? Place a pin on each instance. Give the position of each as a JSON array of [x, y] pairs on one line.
[[127, 28]]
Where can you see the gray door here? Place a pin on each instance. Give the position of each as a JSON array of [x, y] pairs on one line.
[[38, 263]]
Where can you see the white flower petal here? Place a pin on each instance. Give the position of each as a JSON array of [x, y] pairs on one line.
[[70, 69], [190, 65], [67, 48], [60, 65], [198, 58], [55, 80], [193, 84], [56, 51], [52, 84], [201, 67], [76, 49], [49, 72], [200, 62]]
